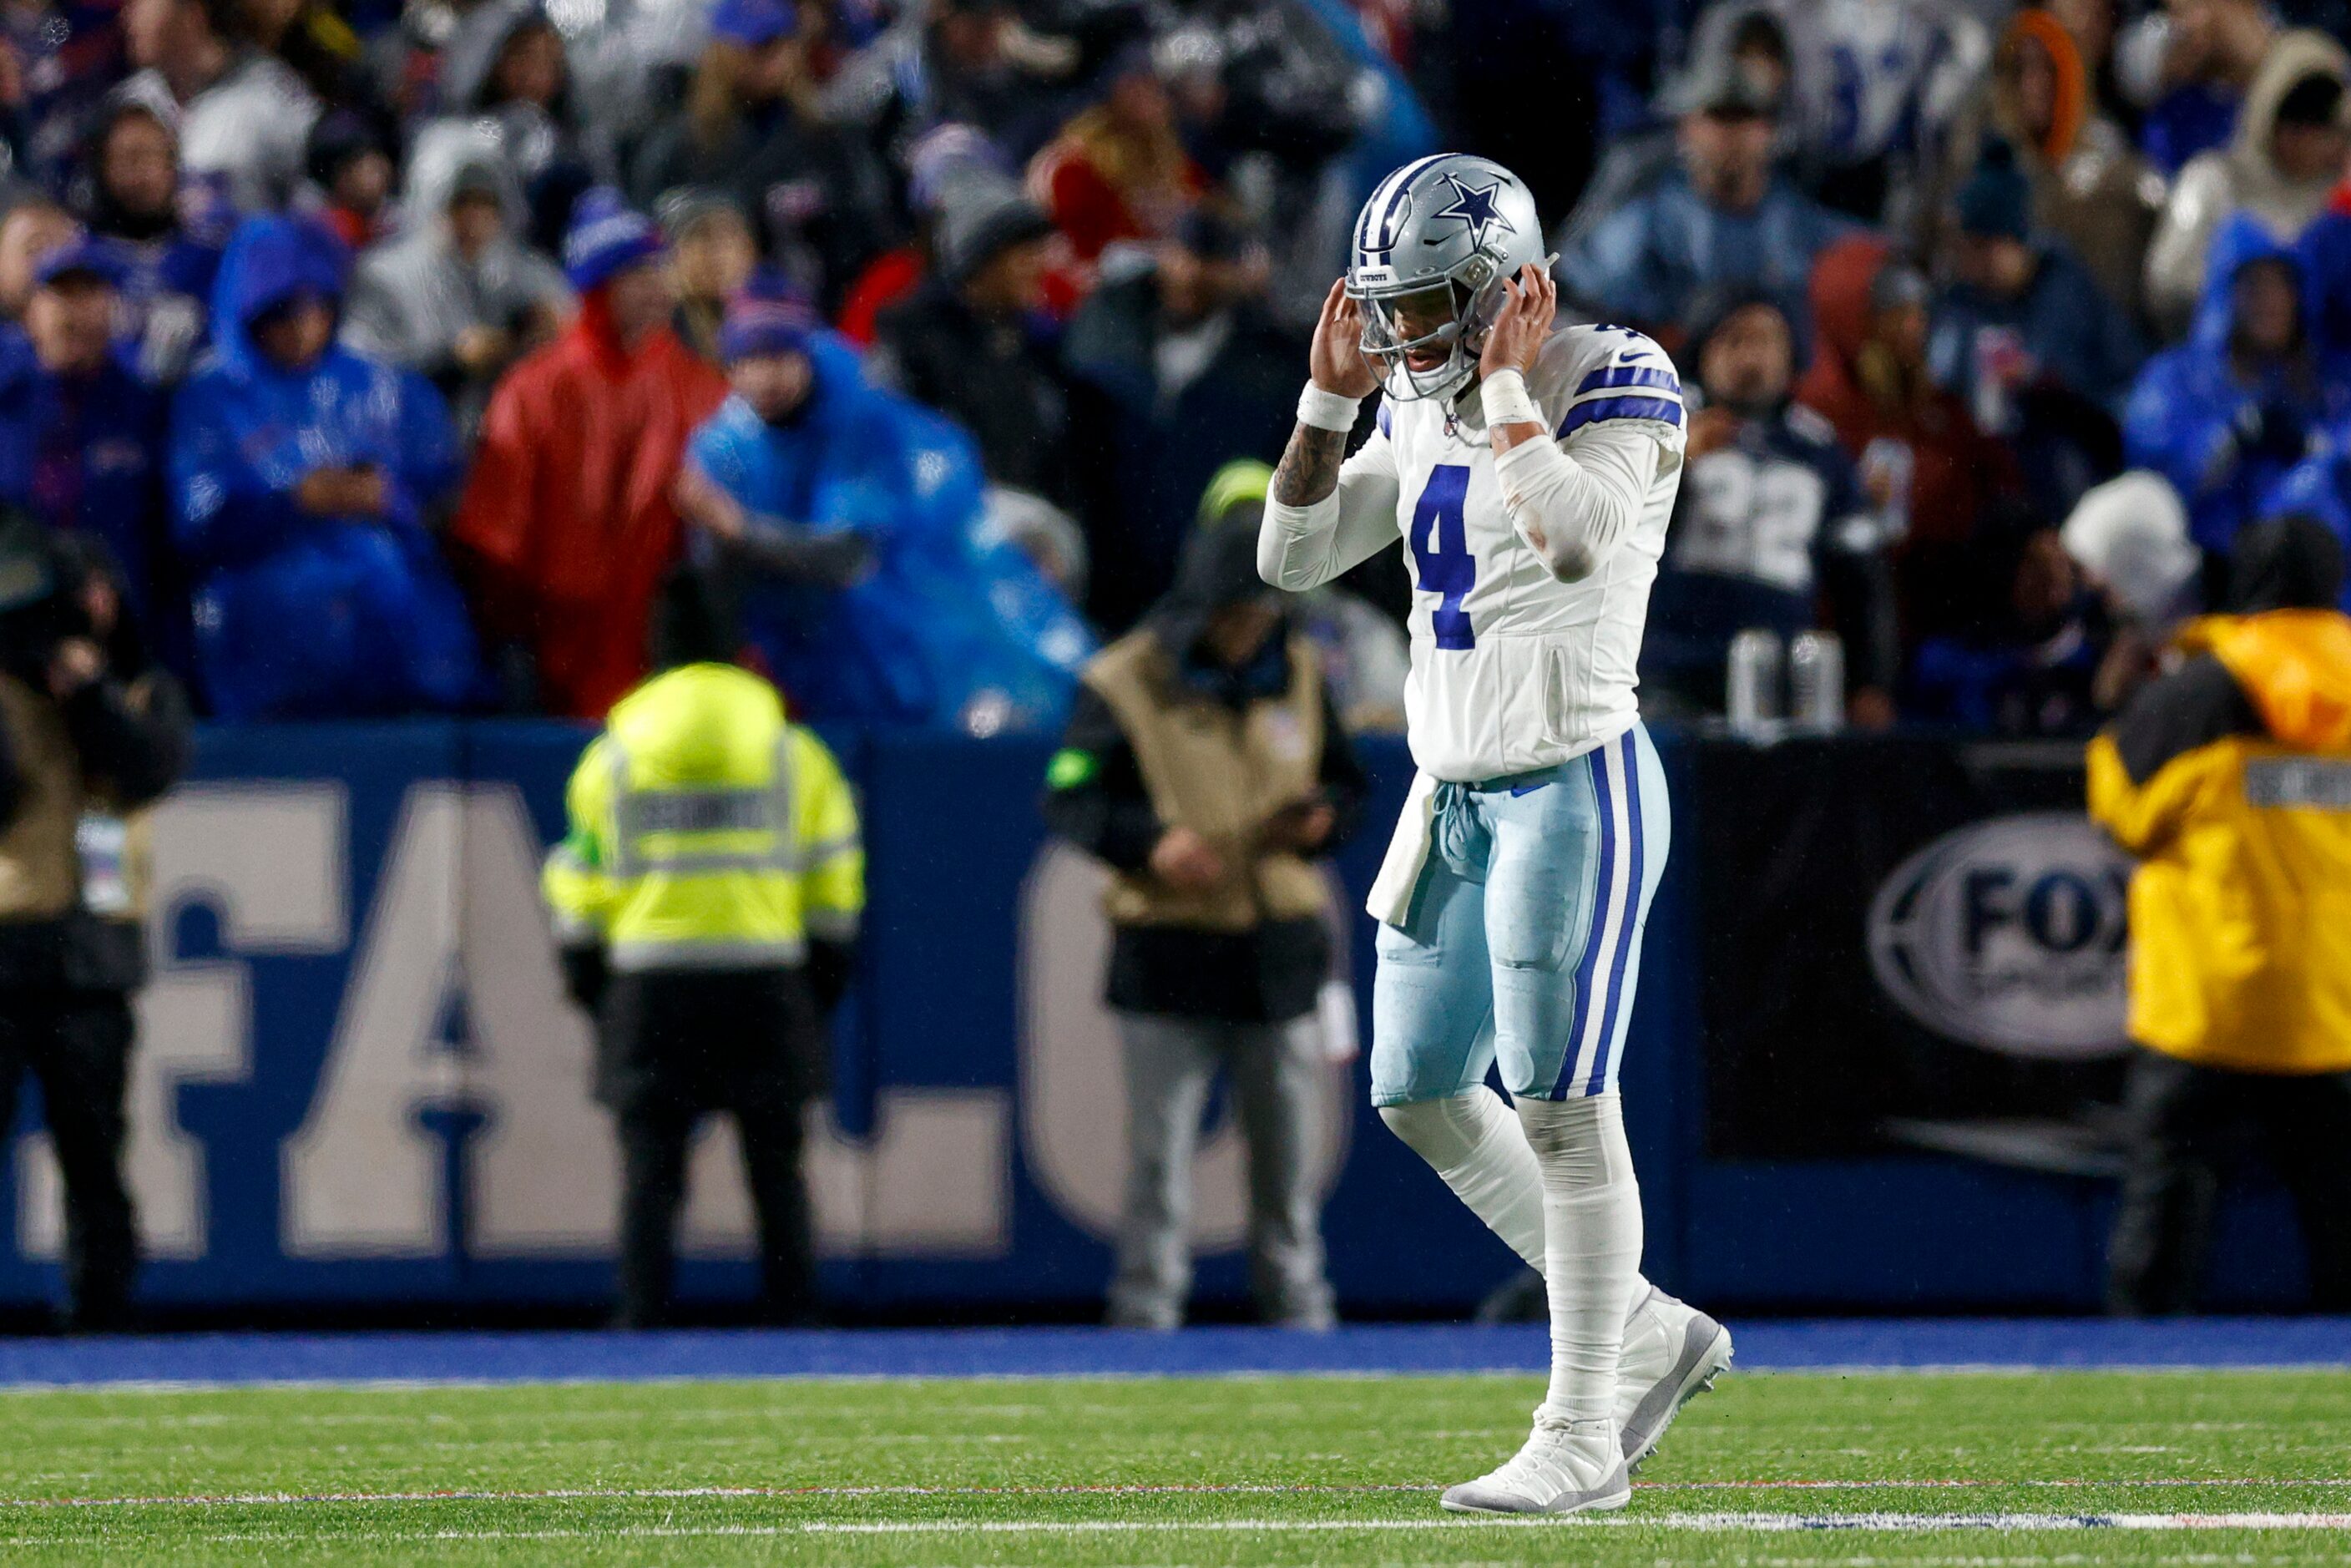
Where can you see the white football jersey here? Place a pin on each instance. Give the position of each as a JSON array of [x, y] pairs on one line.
[[1513, 670]]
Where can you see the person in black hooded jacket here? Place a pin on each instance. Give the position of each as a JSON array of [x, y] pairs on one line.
[[1205, 764], [90, 736]]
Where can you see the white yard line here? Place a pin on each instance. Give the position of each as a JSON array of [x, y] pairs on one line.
[[567, 1494], [1701, 1524], [1770, 1523]]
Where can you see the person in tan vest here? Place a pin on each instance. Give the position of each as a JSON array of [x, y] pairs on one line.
[[91, 737], [1204, 763]]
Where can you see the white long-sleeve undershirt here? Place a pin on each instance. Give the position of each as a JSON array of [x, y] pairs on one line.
[[1571, 506]]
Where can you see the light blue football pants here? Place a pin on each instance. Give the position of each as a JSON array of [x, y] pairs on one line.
[[1523, 940]]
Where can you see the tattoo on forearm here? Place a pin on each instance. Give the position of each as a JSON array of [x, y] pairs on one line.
[[1309, 466]]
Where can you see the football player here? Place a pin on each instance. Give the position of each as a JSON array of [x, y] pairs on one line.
[[1532, 473]]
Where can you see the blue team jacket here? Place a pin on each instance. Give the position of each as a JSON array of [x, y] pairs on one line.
[[86, 454]]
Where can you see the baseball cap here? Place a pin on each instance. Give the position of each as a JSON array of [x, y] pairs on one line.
[[1725, 84], [84, 256]]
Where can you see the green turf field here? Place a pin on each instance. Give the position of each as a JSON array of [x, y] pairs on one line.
[[1241, 1470]]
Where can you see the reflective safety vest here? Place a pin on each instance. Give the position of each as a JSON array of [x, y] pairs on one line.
[[706, 831]]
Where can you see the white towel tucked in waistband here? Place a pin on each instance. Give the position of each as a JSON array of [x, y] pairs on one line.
[[1391, 896]]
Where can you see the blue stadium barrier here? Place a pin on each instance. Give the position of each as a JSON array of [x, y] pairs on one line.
[[1763, 1346], [358, 1084]]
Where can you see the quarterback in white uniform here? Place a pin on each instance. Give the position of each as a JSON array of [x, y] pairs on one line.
[[1532, 473]]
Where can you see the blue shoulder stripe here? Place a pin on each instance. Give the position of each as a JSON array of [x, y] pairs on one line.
[[1584, 413], [1631, 376], [1385, 418]]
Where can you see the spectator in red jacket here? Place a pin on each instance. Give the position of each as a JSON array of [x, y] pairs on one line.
[[1924, 462], [566, 525], [1118, 171]]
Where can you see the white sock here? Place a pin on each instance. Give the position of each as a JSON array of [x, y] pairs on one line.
[[1591, 1234], [1478, 1146]]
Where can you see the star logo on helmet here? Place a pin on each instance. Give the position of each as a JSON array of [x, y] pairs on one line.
[[1475, 206]]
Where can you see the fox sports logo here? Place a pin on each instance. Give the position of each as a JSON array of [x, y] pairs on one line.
[[2010, 935]]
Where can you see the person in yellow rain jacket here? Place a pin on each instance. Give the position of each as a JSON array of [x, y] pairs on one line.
[[706, 898], [2230, 781]]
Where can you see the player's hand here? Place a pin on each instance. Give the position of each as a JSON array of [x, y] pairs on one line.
[[1336, 360], [1522, 325], [1182, 859]]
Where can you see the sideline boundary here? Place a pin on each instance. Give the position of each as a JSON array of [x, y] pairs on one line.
[[429, 1358]]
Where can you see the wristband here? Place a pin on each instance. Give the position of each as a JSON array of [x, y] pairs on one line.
[[1327, 409], [1503, 396]]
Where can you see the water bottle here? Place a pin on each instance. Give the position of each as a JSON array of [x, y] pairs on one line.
[[1751, 682], [1816, 682], [1887, 468]]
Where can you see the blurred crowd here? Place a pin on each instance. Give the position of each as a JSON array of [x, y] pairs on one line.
[[2009, 322], [397, 354]]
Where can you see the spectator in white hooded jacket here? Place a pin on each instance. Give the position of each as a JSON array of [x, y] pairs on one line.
[[2282, 166], [458, 296]]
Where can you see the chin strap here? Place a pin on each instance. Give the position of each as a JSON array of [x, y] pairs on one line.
[[1453, 403]]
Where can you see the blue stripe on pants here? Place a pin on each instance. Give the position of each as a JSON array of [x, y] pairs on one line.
[[1625, 934], [1603, 874]]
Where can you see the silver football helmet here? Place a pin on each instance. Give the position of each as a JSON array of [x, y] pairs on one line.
[[1433, 249]]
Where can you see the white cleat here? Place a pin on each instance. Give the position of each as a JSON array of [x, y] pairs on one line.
[[1565, 1468], [1672, 1354]]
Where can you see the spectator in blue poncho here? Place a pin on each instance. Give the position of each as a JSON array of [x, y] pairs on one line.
[[303, 478], [2319, 487], [2226, 414], [847, 522]]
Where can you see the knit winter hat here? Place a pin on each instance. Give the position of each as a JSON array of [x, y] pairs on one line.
[[1243, 481], [607, 237], [769, 317], [979, 219], [1996, 202]]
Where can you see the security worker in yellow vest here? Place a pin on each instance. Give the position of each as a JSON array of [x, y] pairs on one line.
[[707, 900], [1205, 764], [2230, 780], [90, 736]]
